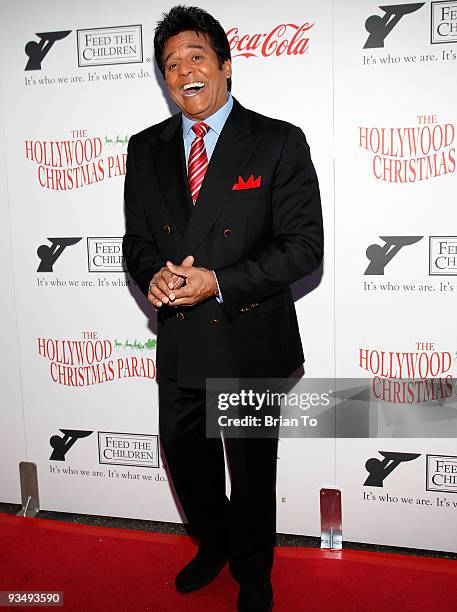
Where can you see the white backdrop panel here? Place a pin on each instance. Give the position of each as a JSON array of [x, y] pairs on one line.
[[75, 300], [403, 91], [12, 437]]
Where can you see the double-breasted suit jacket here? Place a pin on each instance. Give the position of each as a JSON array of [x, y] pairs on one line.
[[258, 237]]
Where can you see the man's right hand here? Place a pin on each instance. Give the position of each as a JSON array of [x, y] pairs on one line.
[[164, 283]]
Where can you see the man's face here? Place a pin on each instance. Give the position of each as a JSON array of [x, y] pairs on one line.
[[193, 76]]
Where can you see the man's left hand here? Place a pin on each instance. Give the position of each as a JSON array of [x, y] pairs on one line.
[[200, 285]]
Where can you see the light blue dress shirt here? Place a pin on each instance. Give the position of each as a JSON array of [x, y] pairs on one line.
[[215, 122]]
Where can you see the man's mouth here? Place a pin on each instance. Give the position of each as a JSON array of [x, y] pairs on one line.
[[192, 89]]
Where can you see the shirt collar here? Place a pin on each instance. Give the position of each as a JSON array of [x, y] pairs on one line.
[[215, 121]]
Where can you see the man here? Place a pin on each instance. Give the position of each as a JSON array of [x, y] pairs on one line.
[[222, 214]]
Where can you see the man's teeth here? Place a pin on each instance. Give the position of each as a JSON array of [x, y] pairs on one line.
[[191, 85]]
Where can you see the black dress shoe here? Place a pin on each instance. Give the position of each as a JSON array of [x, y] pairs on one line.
[[202, 570], [256, 598]]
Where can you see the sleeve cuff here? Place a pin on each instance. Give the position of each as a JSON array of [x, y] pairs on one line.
[[219, 297]]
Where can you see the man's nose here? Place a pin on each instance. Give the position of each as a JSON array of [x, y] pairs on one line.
[[185, 68]]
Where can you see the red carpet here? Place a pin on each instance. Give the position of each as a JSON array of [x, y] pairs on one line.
[[105, 569]]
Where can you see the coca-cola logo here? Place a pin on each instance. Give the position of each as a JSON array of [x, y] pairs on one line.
[[284, 39]]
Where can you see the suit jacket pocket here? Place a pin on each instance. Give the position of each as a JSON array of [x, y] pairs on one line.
[[277, 302], [245, 194]]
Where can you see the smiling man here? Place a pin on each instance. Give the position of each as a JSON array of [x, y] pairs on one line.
[[222, 215], [202, 92]]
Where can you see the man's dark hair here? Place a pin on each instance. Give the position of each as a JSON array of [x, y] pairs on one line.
[[181, 18]]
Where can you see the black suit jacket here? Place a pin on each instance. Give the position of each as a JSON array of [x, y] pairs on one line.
[[257, 240]]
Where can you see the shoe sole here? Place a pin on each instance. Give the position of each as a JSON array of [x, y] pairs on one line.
[[271, 607], [200, 585]]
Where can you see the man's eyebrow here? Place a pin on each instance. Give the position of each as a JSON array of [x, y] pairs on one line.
[[189, 46]]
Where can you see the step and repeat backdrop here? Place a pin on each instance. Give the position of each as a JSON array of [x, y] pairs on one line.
[[373, 88]]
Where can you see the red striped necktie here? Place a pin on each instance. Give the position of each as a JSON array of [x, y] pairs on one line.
[[198, 160]]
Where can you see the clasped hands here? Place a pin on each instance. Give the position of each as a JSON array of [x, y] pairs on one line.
[[183, 285]]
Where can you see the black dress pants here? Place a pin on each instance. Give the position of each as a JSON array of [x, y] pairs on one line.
[[242, 528]]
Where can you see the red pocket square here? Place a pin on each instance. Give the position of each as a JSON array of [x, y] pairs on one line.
[[251, 183]]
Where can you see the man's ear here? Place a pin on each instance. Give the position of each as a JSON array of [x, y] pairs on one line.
[[227, 69]]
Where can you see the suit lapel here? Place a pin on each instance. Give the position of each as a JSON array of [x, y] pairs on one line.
[[168, 154], [235, 145]]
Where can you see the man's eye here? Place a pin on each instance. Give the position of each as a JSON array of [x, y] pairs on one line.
[[171, 66], [197, 57]]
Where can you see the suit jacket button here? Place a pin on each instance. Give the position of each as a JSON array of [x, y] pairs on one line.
[[227, 232], [180, 316], [215, 321], [167, 229]]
